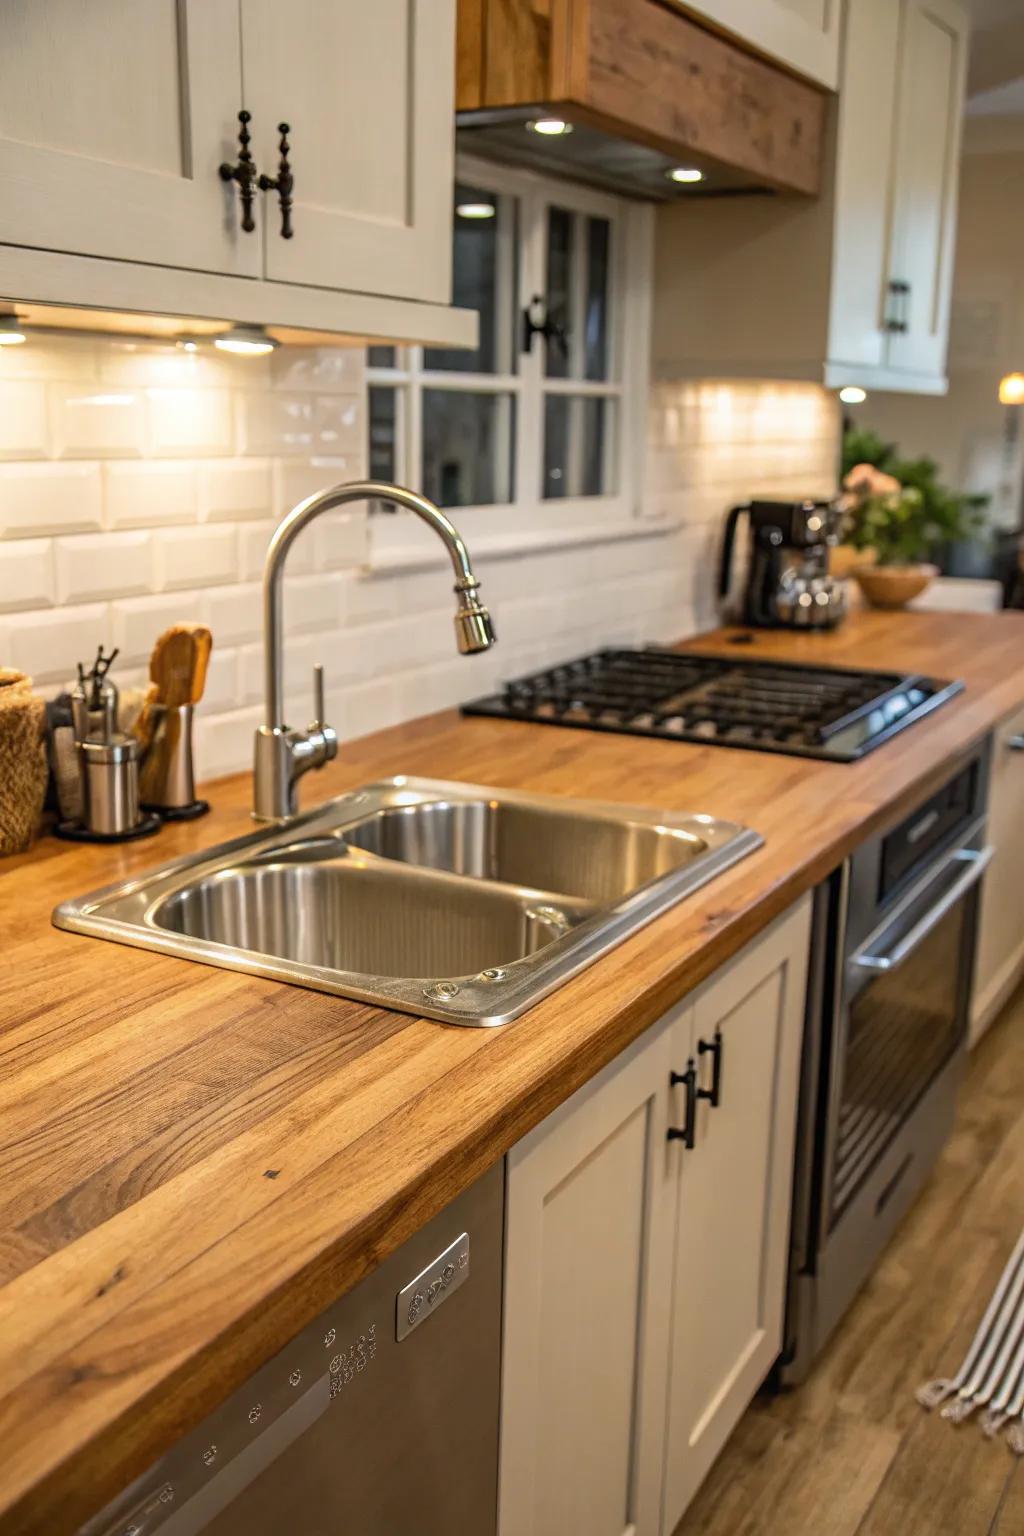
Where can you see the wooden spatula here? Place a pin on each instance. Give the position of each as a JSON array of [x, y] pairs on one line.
[[179, 662]]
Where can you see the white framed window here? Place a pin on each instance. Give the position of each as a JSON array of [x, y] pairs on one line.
[[543, 425]]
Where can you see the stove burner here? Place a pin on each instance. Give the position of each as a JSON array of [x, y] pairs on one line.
[[769, 706]]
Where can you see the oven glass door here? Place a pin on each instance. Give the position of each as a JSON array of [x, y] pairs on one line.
[[904, 1017]]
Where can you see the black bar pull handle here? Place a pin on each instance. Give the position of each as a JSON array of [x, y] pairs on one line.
[[243, 172], [687, 1134], [715, 1046], [283, 183]]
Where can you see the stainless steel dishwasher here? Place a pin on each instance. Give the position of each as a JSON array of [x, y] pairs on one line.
[[381, 1417]]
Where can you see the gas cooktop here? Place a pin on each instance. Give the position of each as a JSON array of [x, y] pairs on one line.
[[767, 706]]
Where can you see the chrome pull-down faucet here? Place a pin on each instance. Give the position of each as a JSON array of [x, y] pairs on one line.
[[283, 754]]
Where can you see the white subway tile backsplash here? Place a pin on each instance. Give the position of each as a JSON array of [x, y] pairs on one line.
[[312, 602], [96, 565], [223, 689], [340, 539], [236, 488], [47, 644], [291, 423], [23, 420], [135, 622], [204, 453], [48, 498], [148, 494], [322, 369], [195, 557], [26, 574], [94, 422], [235, 613], [190, 422]]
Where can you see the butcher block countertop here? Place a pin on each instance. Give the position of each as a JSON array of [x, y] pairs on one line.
[[196, 1162]]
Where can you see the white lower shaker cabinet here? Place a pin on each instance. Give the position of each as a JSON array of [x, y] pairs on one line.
[[734, 1191], [114, 118], [588, 1254], [645, 1281], [1000, 958], [367, 92]]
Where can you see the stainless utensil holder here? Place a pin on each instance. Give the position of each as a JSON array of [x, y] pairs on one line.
[[167, 777], [110, 785]]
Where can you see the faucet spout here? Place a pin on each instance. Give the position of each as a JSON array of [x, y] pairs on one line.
[[282, 753]]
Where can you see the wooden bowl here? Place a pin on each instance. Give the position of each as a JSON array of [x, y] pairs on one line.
[[893, 586]]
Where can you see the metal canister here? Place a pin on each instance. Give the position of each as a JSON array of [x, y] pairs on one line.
[[110, 784]]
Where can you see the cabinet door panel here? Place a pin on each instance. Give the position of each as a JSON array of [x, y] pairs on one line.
[[734, 1197], [368, 93], [801, 33], [860, 249], [588, 1256], [113, 121], [930, 92]]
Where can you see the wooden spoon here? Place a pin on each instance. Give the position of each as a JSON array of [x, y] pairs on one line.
[[179, 662]]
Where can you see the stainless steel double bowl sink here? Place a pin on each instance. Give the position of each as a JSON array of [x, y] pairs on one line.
[[452, 901]]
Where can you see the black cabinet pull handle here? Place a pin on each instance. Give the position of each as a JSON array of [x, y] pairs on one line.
[[244, 172], [714, 1093], [283, 183], [537, 322], [688, 1133], [896, 321]]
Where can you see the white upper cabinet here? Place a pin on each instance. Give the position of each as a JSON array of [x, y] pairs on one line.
[[803, 34], [114, 117], [367, 92], [854, 287], [117, 119], [925, 173]]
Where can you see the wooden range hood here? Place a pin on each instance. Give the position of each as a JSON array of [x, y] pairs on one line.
[[645, 88]]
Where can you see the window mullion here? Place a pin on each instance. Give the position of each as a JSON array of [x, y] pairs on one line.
[[532, 280]]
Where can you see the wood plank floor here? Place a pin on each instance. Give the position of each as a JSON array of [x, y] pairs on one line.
[[850, 1453]]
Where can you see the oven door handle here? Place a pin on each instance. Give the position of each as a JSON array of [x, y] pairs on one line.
[[976, 861]]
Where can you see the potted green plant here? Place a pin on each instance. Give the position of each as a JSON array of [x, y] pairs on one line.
[[896, 515]]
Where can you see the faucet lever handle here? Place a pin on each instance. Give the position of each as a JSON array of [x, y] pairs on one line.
[[319, 709]]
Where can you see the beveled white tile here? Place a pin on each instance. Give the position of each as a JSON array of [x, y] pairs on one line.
[[190, 422], [295, 479], [96, 422], [26, 573], [253, 539], [195, 557], [47, 644], [340, 540], [289, 423], [97, 565], [235, 488], [136, 622], [149, 494], [323, 369], [235, 613], [48, 498], [23, 420]]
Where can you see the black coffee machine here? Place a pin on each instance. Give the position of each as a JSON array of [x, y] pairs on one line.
[[788, 583]]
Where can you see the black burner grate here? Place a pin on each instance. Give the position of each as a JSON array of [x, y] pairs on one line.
[[768, 706]]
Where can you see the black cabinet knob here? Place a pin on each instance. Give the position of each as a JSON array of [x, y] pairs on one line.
[[687, 1132]]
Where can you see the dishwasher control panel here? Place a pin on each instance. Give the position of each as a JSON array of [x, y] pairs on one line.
[[432, 1286]]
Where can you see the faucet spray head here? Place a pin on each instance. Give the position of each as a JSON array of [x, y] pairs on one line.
[[474, 630]]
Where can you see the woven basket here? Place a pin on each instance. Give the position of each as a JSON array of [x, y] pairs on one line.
[[23, 766]]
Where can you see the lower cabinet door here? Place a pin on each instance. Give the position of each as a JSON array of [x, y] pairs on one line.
[[587, 1260], [1000, 958], [734, 1191]]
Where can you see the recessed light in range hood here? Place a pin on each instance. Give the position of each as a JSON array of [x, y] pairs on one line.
[[597, 157]]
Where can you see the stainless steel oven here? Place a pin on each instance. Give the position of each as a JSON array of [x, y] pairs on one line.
[[895, 930]]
